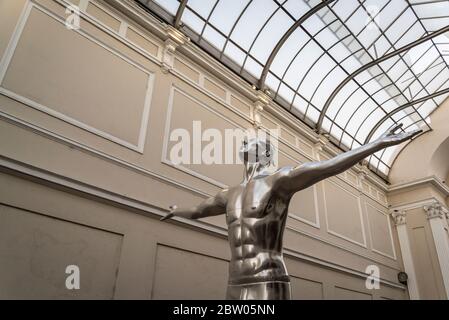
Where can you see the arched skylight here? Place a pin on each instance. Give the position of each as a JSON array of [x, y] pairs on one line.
[[348, 68]]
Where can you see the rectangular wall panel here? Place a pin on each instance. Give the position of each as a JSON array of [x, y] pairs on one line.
[[181, 274], [305, 289], [35, 251], [349, 294], [343, 214], [380, 231], [75, 78], [189, 119]]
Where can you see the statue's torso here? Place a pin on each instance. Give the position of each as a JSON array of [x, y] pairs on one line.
[[256, 217]]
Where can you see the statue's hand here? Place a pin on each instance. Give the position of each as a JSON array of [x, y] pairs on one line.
[[391, 138], [171, 214]]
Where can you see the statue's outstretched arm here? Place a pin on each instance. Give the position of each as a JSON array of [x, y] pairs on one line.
[[307, 174], [212, 206]]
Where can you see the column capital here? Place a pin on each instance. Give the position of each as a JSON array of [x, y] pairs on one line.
[[319, 145], [262, 100], [399, 217], [434, 210], [175, 38], [364, 170]]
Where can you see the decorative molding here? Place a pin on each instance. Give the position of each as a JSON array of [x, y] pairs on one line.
[[96, 153], [85, 9], [6, 60], [175, 38], [166, 136], [434, 211], [433, 180], [123, 29], [200, 87], [359, 204], [316, 223], [414, 205], [83, 5], [167, 161], [141, 50], [399, 217], [234, 96], [363, 173], [261, 102], [8, 54], [390, 232], [319, 146], [116, 34]]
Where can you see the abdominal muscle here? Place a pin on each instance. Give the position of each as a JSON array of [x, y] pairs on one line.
[[256, 245]]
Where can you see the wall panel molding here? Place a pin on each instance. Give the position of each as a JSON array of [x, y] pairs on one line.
[[165, 160], [316, 223], [387, 217], [51, 112], [176, 89], [359, 205]]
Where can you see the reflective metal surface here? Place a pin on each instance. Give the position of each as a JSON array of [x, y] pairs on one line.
[[272, 290], [256, 212]]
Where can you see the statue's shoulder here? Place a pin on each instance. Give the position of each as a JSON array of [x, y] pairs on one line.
[[229, 190], [284, 170], [281, 172]]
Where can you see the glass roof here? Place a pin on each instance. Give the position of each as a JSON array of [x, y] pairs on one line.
[[350, 69]]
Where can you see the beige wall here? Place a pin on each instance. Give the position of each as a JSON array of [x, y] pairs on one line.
[[85, 119], [429, 151]]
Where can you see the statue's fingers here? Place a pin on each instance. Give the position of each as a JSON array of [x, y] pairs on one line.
[[409, 135], [415, 132], [396, 128]]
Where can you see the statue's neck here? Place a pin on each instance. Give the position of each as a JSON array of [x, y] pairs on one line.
[[252, 170]]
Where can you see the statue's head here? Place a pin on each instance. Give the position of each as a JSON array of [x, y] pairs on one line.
[[256, 151]]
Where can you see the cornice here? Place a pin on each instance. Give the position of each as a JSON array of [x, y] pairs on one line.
[[432, 180]]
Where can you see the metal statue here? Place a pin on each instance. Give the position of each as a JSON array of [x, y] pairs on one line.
[[256, 212]]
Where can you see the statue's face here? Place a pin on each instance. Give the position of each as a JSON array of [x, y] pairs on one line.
[[256, 151]]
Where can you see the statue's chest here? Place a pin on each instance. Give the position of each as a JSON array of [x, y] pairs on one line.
[[251, 200]]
